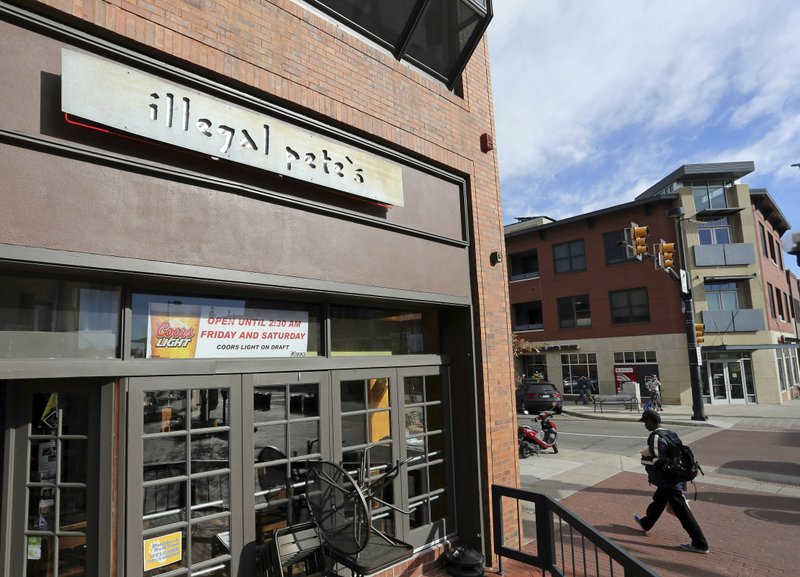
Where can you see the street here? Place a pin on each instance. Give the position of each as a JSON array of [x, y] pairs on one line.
[[748, 501]]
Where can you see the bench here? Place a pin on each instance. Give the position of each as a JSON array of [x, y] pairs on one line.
[[630, 401]]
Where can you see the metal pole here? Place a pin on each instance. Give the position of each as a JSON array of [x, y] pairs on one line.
[[687, 304]]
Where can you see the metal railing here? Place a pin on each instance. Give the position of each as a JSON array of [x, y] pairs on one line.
[[552, 538]]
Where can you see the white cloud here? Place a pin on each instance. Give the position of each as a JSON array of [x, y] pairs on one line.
[[570, 75]]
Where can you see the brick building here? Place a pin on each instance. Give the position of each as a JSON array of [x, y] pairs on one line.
[[237, 236], [575, 288]]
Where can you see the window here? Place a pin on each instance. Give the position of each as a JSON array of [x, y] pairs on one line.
[[534, 366], [722, 296], [528, 316], [779, 303], [425, 439], [524, 265], [385, 332], [771, 294], [194, 327], [714, 231], [49, 318], [574, 312], [615, 249], [709, 195], [779, 252], [772, 256], [630, 306], [763, 239], [631, 357], [569, 256], [576, 365], [440, 39]]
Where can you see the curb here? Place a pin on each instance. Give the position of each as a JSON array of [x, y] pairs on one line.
[[635, 418]]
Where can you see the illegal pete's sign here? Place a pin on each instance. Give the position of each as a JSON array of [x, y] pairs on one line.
[[184, 331], [145, 105]]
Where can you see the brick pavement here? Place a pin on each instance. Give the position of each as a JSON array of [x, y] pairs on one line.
[[750, 533]]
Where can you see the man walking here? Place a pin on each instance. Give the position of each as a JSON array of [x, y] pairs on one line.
[[584, 385], [668, 492]]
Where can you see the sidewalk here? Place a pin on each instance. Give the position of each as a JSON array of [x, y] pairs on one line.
[[786, 416], [748, 501]]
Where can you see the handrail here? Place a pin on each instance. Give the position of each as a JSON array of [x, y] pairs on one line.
[[568, 559]]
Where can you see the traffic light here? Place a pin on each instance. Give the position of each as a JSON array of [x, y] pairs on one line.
[[699, 330], [638, 240], [667, 254]]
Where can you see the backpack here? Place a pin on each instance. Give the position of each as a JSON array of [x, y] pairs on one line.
[[679, 463]]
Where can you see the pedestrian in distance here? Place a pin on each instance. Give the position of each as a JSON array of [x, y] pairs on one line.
[[668, 491], [584, 387]]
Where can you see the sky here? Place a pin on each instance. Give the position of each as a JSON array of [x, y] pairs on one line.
[[597, 100]]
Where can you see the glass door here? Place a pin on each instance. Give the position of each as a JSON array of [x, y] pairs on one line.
[[55, 485], [728, 384], [285, 413], [184, 476]]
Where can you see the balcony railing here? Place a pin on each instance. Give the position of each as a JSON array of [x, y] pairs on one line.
[[737, 254], [733, 321], [550, 537]]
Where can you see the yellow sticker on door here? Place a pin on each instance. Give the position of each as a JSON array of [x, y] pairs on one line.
[[163, 550]]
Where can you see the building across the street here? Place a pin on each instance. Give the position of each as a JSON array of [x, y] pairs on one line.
[[236, 237], [578, 290]]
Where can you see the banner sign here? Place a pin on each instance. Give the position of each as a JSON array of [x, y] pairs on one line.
[[138, 103], [164, 550], [188, 331]]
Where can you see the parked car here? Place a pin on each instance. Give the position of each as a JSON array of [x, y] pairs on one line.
[[541, 396], [571, 386]]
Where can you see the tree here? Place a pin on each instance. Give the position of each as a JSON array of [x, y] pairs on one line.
[[521, 347]]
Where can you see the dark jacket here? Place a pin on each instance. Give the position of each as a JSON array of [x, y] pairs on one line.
[[658, 448]]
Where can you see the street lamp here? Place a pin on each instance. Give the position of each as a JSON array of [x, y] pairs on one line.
[[698, 408]]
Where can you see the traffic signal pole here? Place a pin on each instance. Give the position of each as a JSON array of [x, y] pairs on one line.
[[687, 305]]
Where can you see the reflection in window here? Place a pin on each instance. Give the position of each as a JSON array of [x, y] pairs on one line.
[[722, 296], [286, 434], [574, 312], [714, 231], [186, 469], [440, 39], [569, 256], [47, 318], [424, 438], [383, 332], [709, 195], [629, 306], [58, 493]]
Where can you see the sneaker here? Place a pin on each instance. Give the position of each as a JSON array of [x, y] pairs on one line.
[[694, 549], [639, 522]]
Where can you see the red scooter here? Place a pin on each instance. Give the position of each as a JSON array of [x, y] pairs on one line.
[[532, 441]]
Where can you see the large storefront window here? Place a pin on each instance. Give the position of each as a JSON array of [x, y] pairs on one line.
[[186, 327], [577, 365], [363, 331], [47, 318]]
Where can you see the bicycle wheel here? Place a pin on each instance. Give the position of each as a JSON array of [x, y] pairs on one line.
[[337, 505]]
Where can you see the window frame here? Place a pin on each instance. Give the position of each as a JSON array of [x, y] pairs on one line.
[[528, 306], [579, 315], [575, 259], [716, 292], [616, 253], [517, 261], [630, 306]]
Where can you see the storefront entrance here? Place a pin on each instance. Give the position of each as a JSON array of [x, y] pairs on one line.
[[217, 463], [53, 485], [728, 381]]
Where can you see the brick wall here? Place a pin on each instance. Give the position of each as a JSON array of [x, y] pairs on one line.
[[284, 52]]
